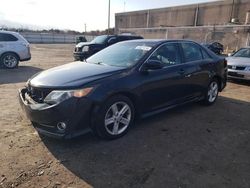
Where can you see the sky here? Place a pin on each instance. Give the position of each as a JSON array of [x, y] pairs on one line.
[[73, 14]]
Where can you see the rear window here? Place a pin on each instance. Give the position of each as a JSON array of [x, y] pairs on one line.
[[123, 38], [7, 37], [191, 52]]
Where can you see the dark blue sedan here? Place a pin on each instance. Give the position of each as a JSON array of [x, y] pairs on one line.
[[133, 78]]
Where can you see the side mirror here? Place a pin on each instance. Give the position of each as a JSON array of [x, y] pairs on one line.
[[152, 65]]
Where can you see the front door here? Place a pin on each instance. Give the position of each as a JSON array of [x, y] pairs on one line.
[[165, 86]]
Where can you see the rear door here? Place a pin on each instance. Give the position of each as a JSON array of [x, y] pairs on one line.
[[8, 42], [195, 69]]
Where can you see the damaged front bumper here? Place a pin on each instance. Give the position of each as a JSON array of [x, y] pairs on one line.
[[74, 113]]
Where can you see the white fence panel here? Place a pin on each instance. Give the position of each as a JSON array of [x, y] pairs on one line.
[[52, 38]]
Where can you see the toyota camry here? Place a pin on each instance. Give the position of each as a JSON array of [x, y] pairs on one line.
[[110, 89]]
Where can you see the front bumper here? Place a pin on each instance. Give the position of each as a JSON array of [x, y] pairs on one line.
[[80, 56], [239, 74], [74, 112]]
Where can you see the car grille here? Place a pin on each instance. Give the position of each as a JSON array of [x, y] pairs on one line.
[[38, 94], [235, 74], [236, 67]]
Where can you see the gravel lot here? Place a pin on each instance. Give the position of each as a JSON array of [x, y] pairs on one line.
[[191, 146]]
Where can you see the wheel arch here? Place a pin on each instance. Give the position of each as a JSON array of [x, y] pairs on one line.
[[132, 97], [219, 79], [11, 53]]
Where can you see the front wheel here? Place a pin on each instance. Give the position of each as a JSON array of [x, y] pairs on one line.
[[114, 118], [212, 92]]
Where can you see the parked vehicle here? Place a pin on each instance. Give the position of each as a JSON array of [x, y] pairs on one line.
[[239, 64], [126, 80], [216, 47], [84, 50], [13, 48], [80, 39]]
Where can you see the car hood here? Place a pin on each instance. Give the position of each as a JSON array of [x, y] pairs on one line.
[[243, 61], [81, 44], [72, 75]]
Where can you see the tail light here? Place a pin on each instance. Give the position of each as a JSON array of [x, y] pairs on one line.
[[26, 44]]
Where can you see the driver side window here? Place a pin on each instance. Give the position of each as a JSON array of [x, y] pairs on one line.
[[167, 54]]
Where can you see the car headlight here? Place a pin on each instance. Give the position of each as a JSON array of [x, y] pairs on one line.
[[58, 96], [85, 49], [247, 68]]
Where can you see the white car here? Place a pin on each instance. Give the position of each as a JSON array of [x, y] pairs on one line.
[[13, 48], [239, 64]]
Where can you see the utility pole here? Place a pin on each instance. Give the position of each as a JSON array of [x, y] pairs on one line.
[[232, 12], [85, 28], [124, 6], [109, 17]]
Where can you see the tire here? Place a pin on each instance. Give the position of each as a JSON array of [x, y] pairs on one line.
[[114, 118], [212, 92], [9, 60]]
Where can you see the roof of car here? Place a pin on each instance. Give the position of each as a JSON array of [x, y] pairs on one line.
[[158, 41], [121, 35], [10, 32]]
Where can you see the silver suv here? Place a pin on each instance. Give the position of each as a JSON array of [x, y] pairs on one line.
[[13, 48]]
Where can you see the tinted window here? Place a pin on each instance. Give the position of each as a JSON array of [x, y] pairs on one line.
[[100, 39], [168, 54], [191, 52], [122, 38], [7, 37], [205, 54], [114, 39]]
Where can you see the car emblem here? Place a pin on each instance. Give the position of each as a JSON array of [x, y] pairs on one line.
[[234, 67]]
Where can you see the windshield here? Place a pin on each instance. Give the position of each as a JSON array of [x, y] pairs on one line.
[[99, 39], [244, 52], [123, 54]]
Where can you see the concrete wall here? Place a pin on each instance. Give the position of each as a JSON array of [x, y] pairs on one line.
[[51, 38], [232, 37], [205, 22], [216, 13]]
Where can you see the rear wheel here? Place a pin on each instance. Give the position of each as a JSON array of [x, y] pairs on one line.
[[212, 92], [114, 118], [9, 60]]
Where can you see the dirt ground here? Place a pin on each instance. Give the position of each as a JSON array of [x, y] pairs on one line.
[[191, 146]]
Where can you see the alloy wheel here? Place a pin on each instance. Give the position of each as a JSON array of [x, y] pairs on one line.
[[10, 61], [117, 118], [213, 91]]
